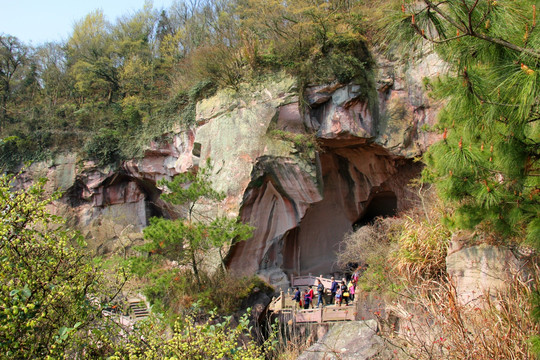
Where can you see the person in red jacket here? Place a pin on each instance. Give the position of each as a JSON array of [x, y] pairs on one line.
[[311, 296]]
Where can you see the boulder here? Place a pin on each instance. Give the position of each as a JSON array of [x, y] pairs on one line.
[[480, 271], [354, 340]]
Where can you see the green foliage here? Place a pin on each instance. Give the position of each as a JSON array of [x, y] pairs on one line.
[[190, 187], [187, 239], [487, 162], [318, 41], [142, 74], [46, 282], [15, 150], [104, 147], [174, 292], [191, 339], [305, 144]]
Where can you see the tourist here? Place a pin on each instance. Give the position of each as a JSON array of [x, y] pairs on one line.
[[355, 276], [296, 297], [333, 288], [320, 292], [344, 292], [338, 296], [307, 299], [311, 295], [351, 286]]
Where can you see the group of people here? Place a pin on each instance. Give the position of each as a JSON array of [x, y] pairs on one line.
[[340, 291]]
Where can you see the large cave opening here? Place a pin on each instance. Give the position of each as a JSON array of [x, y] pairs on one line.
[[360, 183], [301, 220]]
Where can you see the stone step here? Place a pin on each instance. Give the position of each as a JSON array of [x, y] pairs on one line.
[[138, 308]]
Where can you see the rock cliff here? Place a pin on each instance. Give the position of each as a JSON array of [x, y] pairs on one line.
[[302, 170]]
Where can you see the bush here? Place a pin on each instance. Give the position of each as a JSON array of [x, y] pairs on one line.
[[46, 280], [370, 247], [394, 252], [196, 340], [15, 150], [104, 147], [172, 290], [305, 144]]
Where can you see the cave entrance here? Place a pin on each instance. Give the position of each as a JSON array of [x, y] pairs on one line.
[[381, 204]]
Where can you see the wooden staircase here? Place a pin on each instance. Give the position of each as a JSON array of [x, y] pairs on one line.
[[138, 308]]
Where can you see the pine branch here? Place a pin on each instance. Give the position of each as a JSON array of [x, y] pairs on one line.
[[468, 30]]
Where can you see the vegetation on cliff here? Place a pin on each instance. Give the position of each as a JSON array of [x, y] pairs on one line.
[[114, 86]]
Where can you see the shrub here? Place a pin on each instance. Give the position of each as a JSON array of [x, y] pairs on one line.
[[15, 150], [421, 248], [305, 144], [172, 290], [46, 280], [370, 247], [192, 339], [104, 147], [402, 250]]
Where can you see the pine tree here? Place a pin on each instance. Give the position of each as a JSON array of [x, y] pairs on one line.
[[187, 238], [488, 160]]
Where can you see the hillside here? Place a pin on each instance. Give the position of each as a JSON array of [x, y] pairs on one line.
[[210, 152]]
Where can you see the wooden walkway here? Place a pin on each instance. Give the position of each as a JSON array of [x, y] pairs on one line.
[[325, 314], [284, 304]]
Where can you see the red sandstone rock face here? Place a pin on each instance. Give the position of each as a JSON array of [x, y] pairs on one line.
[[362, 172], [298, 226], [274, 207], [301, 205]]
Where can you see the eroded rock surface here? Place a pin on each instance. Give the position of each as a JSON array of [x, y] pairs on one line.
[[354, 340], [302, 176], [480, 271]]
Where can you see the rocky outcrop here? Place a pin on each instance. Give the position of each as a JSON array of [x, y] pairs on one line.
[[303, 172], [366, 137], [355, 340], [482, 270]]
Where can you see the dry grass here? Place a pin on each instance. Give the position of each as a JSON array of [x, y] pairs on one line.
[[369, 244], [406, 249], [436, 326]]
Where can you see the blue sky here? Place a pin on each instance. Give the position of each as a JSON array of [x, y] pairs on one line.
[[38, 21]]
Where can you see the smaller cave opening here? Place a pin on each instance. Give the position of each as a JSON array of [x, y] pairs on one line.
[[381, 204], [74, 195]]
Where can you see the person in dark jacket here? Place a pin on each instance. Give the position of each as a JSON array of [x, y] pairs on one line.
[[333, 289], [297, 297], [344, 292], [320, 292], [307, 299]]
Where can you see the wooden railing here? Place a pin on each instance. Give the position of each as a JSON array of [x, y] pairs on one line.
[[282, 302], [325, 314], [310, 280]]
